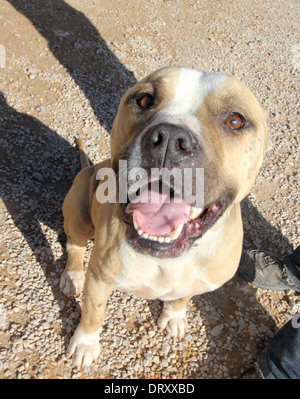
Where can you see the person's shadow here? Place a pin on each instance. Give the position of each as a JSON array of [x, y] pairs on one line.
[[78, 46]]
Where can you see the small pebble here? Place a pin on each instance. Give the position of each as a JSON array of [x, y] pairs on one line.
[[217, 330]]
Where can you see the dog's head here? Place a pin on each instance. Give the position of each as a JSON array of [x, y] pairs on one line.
[[196, 125]]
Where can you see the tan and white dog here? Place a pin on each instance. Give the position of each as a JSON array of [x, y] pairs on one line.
[[174, 118]]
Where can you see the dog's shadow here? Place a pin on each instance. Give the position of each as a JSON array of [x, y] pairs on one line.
[[37, 166]]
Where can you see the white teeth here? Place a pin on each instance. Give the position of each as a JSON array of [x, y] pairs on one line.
[[162, 239], [175, 233], [135, 223], [195, 212]]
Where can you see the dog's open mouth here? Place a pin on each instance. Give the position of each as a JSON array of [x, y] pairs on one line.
[[166, 225]]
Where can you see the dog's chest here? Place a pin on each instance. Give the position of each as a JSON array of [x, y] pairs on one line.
[[152, 278]]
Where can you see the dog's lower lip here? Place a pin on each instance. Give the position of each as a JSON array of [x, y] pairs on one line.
[[190, 231]]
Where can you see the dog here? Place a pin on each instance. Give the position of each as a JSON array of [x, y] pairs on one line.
[[175, 118]]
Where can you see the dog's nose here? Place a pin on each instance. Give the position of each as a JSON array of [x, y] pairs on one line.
[[169, 140]]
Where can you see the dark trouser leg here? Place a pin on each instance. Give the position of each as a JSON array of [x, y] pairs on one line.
[[282, 358]]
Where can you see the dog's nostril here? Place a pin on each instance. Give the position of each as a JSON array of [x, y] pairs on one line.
[[184, 143], [157, 138], [181, 144], [170, 138]]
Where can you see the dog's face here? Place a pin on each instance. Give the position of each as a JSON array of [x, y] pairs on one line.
[[181, 119]]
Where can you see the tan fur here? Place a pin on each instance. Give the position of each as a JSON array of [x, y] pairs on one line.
[[207, 265], [84, 159]]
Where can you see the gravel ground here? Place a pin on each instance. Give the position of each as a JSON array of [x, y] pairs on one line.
[[67, 64]]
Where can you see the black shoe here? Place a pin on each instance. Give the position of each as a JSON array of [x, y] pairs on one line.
[[266, 271]]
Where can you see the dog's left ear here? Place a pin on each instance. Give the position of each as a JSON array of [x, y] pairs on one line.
[[269, 145]]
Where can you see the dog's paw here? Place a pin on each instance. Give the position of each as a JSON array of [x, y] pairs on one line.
[[84, 348], [71, 283], [174, 322]]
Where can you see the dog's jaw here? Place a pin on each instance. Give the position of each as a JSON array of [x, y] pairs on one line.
[[164, 248]]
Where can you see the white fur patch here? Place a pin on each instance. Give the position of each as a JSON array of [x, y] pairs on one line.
[[168, 279], [71, 282], [84, 347], [174, 321], [193, 86]]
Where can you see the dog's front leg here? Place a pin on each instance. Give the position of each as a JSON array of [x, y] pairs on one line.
[[84, 345], [173, 317]]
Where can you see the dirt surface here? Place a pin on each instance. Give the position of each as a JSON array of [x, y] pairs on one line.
[[65, 67]]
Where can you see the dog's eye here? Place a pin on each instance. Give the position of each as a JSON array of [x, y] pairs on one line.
[[235, 121], [145, 102]]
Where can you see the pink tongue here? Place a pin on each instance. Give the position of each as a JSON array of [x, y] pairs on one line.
[[156, 214]]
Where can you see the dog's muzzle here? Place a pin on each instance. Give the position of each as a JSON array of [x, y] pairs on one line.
[[162, 221]]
